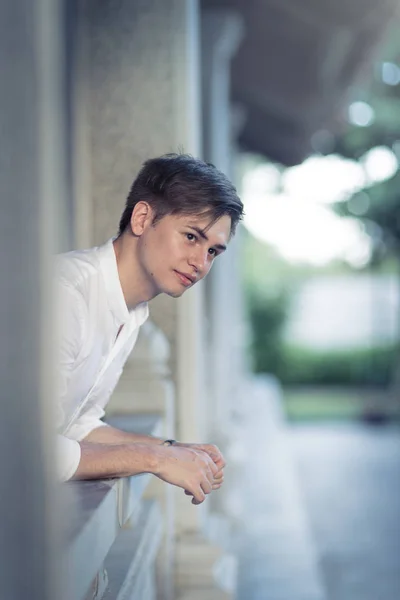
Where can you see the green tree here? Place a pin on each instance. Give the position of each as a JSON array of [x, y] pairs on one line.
[[378, 206]]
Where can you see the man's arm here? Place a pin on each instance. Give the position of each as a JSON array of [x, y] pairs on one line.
[[99, 461], [112, 435], [192, 470]]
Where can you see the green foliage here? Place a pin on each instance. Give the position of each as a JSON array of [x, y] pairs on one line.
[[303, 366], [384, 99], [267, 316], [322, 404], [294, 365], [356, 141], [382, 216], [356, 367]]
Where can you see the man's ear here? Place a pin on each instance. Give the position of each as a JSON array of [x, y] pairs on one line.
[[142, 217]]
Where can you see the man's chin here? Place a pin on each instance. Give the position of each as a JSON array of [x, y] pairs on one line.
[[175, 293], [175, 290]]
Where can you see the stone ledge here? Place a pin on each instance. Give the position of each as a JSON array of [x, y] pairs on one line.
[[130, 562], [206, 593], [98, 510]]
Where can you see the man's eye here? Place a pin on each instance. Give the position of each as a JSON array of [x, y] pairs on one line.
[[212, 251], [190, 237]]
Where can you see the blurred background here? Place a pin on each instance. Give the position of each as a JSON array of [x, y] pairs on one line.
[[320, 267], [287, 357]]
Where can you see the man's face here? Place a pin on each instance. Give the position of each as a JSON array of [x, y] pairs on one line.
[[179, 250]]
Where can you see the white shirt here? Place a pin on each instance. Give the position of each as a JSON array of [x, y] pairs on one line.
[[91, 310]]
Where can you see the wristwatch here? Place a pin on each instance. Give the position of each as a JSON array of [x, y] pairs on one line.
[[168, 442]]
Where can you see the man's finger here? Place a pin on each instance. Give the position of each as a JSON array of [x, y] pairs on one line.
[[206, 486], [213, 467], [218, 482], [198, 496], [216, 486], [209, 469], [218, 460], [216, 455]]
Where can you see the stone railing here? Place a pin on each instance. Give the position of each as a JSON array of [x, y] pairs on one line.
[[114, 534]]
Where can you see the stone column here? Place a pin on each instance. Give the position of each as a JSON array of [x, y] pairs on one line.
[[222, 32], [32, 183], [133, 83]]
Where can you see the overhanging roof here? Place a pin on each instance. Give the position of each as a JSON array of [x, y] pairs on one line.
[[295, 65]]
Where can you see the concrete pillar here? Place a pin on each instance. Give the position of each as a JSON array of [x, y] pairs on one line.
[[222, 32], [133, 85], [32, 182]]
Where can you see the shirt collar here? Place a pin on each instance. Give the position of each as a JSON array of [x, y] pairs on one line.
[[115, 295]]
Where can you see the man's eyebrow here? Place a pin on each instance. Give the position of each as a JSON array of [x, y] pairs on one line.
[[203, 234]]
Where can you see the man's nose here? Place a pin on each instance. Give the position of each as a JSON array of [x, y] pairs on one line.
[[198, 260]]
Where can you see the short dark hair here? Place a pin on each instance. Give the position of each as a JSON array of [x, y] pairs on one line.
[[182, 184]]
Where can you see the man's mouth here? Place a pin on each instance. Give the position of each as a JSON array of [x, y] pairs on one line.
[[185, 279]]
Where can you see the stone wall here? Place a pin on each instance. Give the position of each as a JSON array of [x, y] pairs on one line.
[[138, 83]]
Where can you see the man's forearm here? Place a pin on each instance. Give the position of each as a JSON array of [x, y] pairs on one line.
[[192, 470], [100, 461], [111, 435]]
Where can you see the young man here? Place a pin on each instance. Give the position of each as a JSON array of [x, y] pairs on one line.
[[179, 217]]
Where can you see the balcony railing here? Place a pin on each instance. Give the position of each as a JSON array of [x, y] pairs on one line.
[[114, 533]]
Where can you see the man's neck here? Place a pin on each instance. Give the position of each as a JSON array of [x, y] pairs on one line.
[[136, 286]]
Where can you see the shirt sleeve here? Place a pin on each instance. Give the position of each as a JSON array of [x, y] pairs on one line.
[[68, 457], [70, 323], [72, 319], [86, 423]]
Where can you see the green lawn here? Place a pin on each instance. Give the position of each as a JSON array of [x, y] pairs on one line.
[[309, 404]]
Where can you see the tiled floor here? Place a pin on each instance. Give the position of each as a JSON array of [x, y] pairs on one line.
[[322, 512]]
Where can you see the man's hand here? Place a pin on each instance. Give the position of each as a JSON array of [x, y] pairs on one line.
[[216, 456], [189, 468]]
